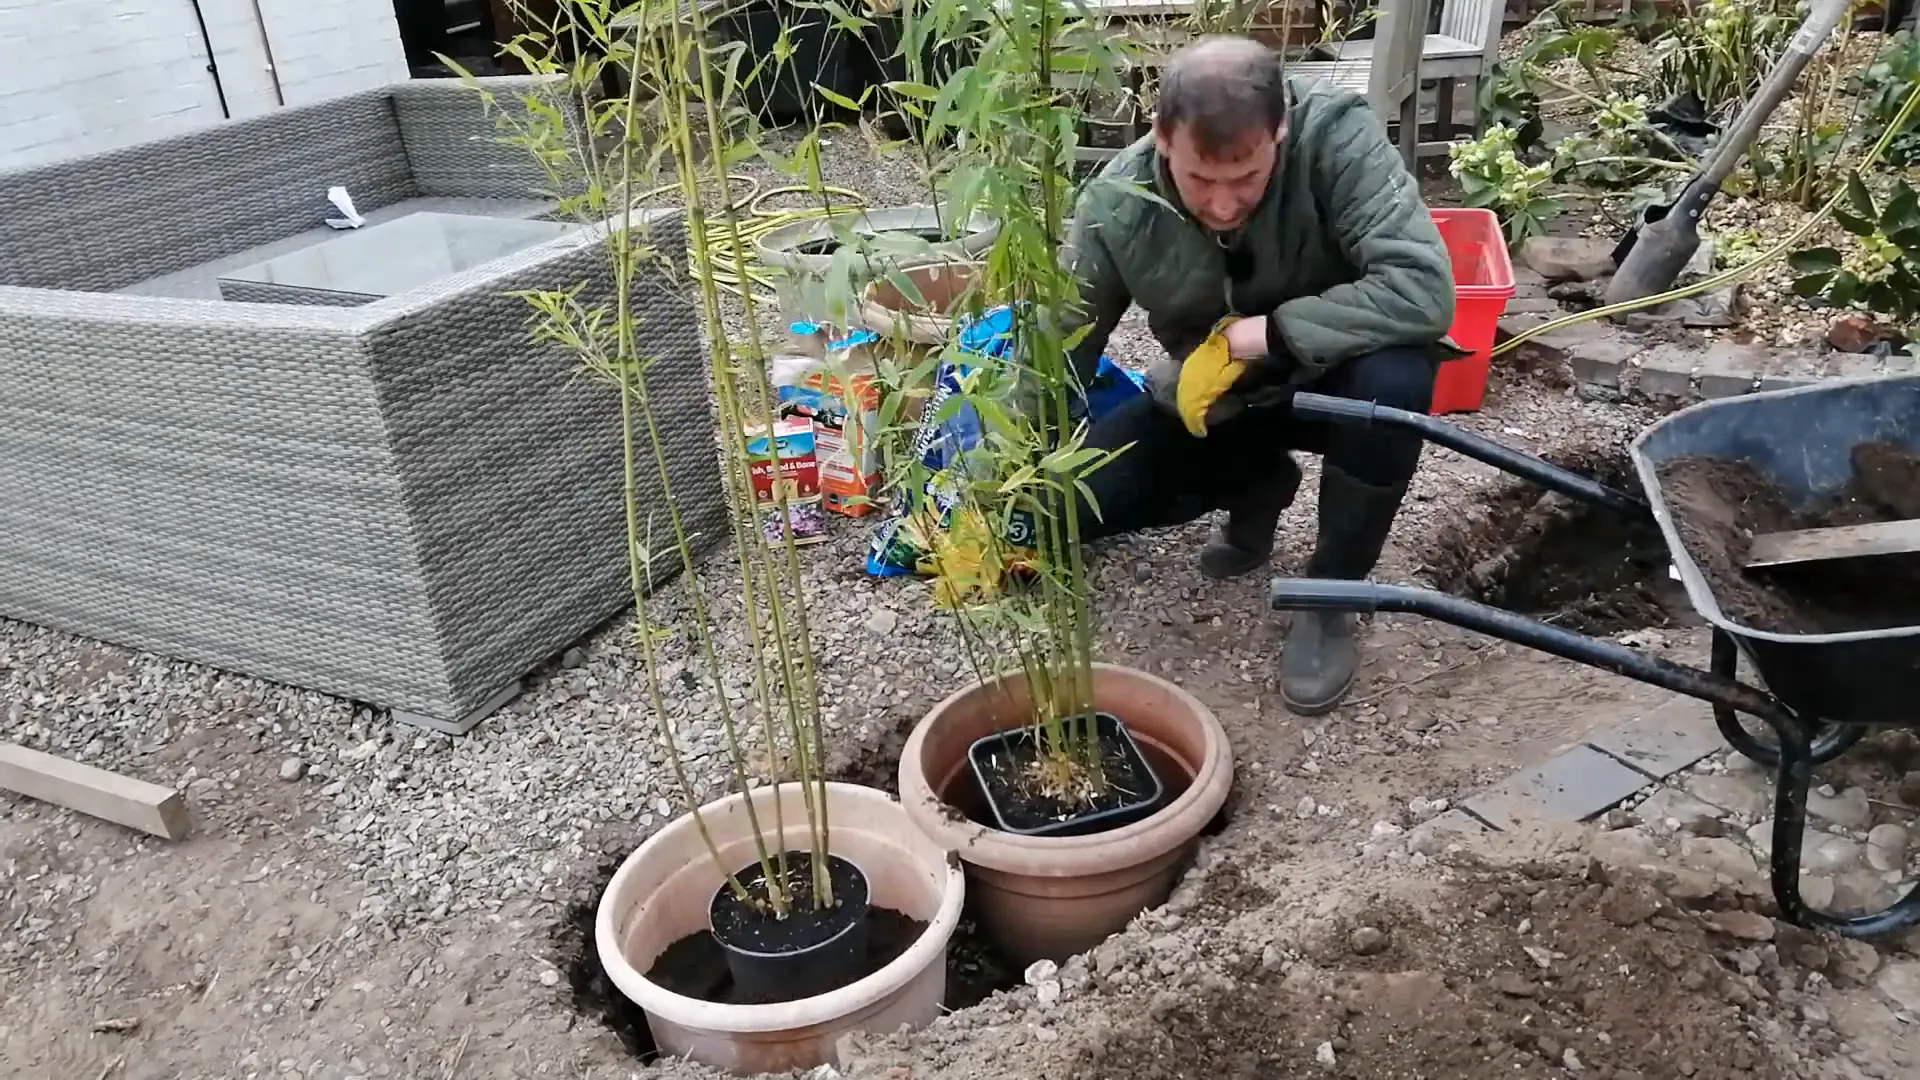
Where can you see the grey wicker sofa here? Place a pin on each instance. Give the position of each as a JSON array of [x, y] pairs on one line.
[[401, 502]]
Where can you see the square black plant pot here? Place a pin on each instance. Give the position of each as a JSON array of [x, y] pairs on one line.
[[1134, 790]]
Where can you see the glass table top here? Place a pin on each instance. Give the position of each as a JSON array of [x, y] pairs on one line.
[[402, 254]]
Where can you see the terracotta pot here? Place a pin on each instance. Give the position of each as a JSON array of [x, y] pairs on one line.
[[886, 311], [660, 895], [1053, 897]]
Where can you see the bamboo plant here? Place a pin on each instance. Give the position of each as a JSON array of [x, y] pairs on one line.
[[1001, 519], [679, 119]]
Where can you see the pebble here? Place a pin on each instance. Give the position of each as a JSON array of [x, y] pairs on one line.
[[1325, 1056], [1714, 855], [1740, 794], [1887, 847], [1909, 790], [1816, 891], [549, 977], [1901, 983], [1307, 807], [1745, 925], [292, 769], [1849, 808], [1368, 941], [1854, 960], [882, 622]]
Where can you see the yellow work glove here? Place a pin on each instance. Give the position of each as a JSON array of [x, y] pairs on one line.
[[1208, 372]]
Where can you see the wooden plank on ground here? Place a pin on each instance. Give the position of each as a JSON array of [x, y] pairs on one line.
[[1839, 542], [95, 792]]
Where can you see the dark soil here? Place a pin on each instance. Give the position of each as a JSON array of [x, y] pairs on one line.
[[1008, 770], [746, 924], [1577, 566], [812, 949], [696, 965], [1719, 505], [1633, 990]]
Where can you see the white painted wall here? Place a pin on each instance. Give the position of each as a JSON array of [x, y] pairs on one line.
[[78, 76]]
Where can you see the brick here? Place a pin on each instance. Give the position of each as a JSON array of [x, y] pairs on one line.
[[1790, 367], [1575, 785], [1855, 366], [1599, 361], [1667, 371], [1667, 739], [1729, 369]]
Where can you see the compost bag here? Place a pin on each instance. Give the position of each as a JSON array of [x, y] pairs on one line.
[[900, 544]]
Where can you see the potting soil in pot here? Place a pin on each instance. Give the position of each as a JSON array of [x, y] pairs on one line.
[[1719, 504], [1030, 791]]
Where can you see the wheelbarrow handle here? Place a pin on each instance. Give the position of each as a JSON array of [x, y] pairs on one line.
[[1440, 433], [1310, 594], [1322, 594]]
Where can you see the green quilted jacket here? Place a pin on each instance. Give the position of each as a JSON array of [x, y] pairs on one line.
[[1343, 253]]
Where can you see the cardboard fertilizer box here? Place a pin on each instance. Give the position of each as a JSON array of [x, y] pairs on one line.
[[798, 479], [840, 397]]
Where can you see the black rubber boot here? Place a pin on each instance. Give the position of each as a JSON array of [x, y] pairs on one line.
[[1321, 656], [1245, 542]]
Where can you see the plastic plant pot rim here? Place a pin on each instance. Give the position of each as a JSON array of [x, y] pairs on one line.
[[1076, 856], [788, 1015], [1124, 732]]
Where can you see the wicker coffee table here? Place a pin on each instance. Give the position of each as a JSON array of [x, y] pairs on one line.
[[370, 263]]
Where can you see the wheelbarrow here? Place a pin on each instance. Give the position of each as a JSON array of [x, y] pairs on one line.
[[1823, 691]]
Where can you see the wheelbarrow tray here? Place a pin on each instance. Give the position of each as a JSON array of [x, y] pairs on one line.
[[1802, 439]]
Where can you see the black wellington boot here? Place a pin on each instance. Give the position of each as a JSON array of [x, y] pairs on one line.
[[1245, 542], [1321, 656]]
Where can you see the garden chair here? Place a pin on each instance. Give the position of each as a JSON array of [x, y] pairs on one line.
[[1388, 69], [1465, 49]]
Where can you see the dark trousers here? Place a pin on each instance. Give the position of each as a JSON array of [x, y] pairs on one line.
[[1169, 477]]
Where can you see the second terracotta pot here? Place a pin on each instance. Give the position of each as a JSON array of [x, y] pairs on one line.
[[1053, 897]]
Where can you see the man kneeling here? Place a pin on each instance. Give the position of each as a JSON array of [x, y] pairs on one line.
[[1286, 222]]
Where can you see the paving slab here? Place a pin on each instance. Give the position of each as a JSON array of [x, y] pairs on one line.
[[1669, 738], [1575, 785]]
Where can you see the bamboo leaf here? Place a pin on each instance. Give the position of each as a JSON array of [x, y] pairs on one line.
[[841, 99]]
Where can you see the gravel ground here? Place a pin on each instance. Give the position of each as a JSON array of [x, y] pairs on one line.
[[435, 824], [364, 898]]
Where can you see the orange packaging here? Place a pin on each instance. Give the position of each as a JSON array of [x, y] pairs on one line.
[[842, 444], [845, 419]]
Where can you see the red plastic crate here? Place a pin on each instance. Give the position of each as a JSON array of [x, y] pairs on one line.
[[1482, 285]]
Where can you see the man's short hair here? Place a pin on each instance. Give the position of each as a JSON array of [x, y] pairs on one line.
[[1221, 88]]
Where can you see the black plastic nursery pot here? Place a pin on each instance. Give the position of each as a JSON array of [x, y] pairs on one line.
[[811, 951], [782, 92], [1109, 133], [1002, 762]]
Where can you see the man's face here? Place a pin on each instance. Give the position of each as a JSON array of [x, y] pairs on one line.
[[1222, 188]]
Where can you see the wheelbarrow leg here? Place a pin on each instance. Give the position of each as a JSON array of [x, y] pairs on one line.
[[1829, 740], [1792, 776], [1792, 773]]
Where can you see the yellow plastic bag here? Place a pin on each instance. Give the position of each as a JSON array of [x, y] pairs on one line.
[[1209, 371]]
